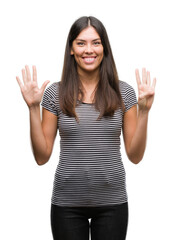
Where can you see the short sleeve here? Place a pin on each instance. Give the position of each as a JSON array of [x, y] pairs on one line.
[[128, 94], [50, 99]]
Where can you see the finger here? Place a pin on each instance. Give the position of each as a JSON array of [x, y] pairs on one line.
[[24, 75], [144, 78], [44, 85], [137, 77], [148, 78], [19, 82], [154, 83], [34, 74], [28, 76]]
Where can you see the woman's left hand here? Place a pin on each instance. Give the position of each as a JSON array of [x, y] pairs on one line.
[[146, 90]]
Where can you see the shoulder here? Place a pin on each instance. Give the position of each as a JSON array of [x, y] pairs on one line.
[[52, 90], [125, 87], [128, 94], [50, 99]]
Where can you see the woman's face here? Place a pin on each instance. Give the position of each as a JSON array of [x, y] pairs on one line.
[[87, 50]]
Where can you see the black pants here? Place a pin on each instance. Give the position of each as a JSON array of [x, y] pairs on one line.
[[107, 222]]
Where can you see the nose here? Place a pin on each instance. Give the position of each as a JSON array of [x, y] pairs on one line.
[[88, 49]]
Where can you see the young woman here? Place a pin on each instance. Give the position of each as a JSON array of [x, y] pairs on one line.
[[90, 106]]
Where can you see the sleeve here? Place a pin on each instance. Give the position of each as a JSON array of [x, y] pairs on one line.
[[50, 101], [130, 97]]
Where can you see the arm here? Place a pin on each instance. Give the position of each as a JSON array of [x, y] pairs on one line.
[[135, 133], [135, 123], [42, 133]]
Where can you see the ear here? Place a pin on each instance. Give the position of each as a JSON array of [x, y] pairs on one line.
[[71, 52]]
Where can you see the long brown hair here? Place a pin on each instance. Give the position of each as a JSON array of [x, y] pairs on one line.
[[107, 96]]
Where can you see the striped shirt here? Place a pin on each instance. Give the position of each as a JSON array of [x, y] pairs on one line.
[[90, 171]]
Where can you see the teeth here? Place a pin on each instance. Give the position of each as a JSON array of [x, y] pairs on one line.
[[89, 59]]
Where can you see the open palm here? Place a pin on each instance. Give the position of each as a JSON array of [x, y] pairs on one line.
[[146, 90], [29, 88]]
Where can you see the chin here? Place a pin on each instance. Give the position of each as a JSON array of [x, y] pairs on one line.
[[90, 68]]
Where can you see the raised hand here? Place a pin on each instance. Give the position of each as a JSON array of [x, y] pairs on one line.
[[146, 90], [29, 88]]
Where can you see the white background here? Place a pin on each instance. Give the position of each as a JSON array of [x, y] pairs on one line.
[[34, 32]]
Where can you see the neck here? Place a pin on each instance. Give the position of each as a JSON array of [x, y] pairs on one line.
[[89, 79]]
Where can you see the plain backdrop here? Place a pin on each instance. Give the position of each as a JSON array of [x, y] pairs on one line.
[[34, 32]]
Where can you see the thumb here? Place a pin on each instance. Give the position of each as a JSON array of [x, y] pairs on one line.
[[44, 86]]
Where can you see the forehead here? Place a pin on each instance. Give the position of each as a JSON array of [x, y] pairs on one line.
[[88, 34]]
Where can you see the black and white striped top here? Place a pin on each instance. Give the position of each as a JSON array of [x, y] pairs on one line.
[[90, 171]]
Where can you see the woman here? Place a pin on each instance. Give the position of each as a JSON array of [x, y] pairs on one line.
[[89, 106]]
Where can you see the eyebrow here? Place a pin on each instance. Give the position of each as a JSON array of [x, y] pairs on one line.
[[85, 40]]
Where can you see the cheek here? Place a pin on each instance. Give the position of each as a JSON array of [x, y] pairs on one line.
[[79, 52], [101, 55], [78, 56], [100, 52]]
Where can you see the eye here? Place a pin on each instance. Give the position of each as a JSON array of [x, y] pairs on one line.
[[80, 43], [97, 43]]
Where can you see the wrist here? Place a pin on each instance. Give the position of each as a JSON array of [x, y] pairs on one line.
[[143, 112], [34, 107]]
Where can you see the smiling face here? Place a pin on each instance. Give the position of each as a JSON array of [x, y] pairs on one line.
[[87, 50]]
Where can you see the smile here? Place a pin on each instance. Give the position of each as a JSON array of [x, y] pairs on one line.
[[89, 59]]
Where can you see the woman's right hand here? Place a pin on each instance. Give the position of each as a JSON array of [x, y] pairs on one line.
[[30, 91]]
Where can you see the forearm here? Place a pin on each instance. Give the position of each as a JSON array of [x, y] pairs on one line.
[[138, 143], [38, 140]]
